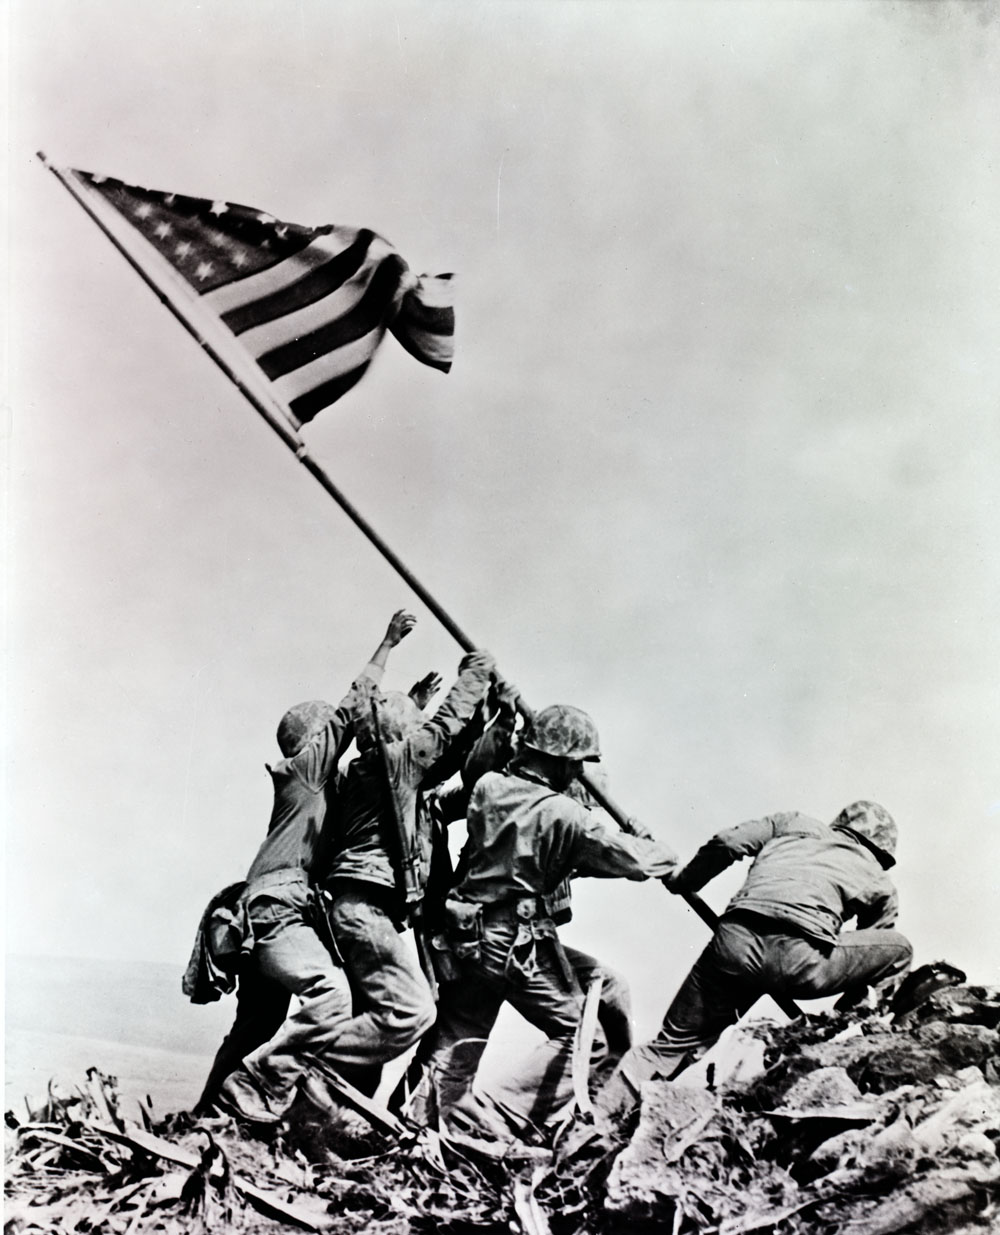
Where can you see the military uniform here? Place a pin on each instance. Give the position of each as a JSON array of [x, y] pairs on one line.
[[393, 1001], [524, 840], [289, 954], [780, 934]]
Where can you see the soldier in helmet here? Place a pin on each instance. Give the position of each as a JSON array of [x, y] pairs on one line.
[[289, 955], [525, 837], [379, 830], [781, 933]]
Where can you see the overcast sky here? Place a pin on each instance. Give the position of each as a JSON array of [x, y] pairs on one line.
[[717, 460]]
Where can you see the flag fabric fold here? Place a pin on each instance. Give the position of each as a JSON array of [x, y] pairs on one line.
[[310, 305]]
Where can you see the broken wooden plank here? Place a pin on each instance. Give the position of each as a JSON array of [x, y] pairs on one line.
[[583, 1043], [268, 1202], [379, 1116]]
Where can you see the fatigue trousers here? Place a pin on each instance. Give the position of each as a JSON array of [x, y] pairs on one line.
[[750, 956], [393, 1004], [261, 1007], [549, 993], [289, 953]]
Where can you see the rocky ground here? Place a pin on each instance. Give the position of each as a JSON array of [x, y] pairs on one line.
[[863, 1123]]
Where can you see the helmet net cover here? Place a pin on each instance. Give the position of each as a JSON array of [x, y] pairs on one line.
[[565, 732], [873, 824], [300, 723], [398, 715]]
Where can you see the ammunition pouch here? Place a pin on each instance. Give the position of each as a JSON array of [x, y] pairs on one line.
[[464, 922], [534, 929], [228, 936]]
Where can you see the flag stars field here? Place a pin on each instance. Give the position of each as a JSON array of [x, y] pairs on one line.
[[309, 305]]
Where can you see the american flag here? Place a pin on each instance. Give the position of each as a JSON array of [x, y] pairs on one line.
[[309, 304]]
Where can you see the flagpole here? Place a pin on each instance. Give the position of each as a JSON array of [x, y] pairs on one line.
[[270, 410], [273, 415]]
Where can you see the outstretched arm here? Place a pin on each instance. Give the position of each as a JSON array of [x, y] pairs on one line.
[[423, 692], [457, 709], [400, 625], [719, 853]]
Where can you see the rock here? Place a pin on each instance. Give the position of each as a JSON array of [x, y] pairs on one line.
[[967, 1005], [827, 1091], [929, 1204], [932, 1048], [672, 1116], [974, 1109]]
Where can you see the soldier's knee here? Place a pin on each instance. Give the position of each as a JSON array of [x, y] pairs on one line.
[[904, 958], [424, 1018], [408, 1023]]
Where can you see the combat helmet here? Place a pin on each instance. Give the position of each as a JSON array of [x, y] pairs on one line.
[[873, 826], [398, 715], [565, 732], [299, 724]]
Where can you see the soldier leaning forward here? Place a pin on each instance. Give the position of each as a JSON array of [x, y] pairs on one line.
[[525, 837]]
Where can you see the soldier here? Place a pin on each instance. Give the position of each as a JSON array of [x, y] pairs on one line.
[[378, 872], [525, 837], [781, 933], [289, 955], [492, 751]]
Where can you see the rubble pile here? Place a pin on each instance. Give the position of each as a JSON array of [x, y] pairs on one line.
[[856, 1123]]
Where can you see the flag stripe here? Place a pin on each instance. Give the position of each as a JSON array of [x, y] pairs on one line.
[[312, 285], [369, 313], [334, 364], [431, 349], [329, 242], [306, 406], [433, 318], [262, 339]]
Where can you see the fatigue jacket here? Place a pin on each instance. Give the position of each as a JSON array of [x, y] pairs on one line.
[[300, 783], [362, 817], [805, 873], [525, 839]]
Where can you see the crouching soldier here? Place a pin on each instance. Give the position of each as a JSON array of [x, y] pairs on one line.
[[781, 933], [378, 870], [525, 837], [289, 956]]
